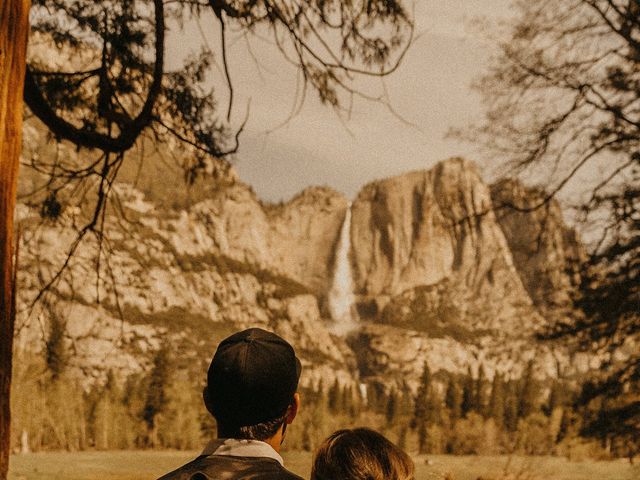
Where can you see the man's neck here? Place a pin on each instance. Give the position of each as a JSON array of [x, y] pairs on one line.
[[235, 447], [275, 441]]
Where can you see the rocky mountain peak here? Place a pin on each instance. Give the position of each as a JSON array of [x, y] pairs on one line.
[[313, 195], [439, 274], [422, 227]]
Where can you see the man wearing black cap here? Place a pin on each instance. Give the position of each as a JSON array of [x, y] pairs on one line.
[[251, 392]]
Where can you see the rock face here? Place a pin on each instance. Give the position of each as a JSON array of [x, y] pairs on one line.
[[437, 228], [304, 234], [296, 238], [418, 228], [393, 356], [431, 263], [188, 278], [544, 249], [438, 274]]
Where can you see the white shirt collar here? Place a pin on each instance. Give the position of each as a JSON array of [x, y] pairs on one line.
[[241, 448]]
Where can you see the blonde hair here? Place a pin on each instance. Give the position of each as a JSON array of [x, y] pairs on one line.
[[360, 454]]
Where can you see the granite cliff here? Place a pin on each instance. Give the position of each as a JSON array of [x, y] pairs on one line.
[[436, 279], [187, 277], [439, 274], [544, 250]]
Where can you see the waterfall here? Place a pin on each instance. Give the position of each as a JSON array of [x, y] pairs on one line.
[[341, 297]]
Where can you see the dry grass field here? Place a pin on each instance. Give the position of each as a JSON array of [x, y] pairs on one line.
[[149, 465]]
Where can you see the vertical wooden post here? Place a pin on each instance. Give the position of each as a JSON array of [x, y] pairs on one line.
[[14, 27]]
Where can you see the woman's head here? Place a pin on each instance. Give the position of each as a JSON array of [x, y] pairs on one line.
[[360, 454]]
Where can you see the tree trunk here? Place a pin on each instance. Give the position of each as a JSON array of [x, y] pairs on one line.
[[14, 27]]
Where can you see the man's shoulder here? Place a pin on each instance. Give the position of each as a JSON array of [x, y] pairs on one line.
[[213, 467], [186, 471]]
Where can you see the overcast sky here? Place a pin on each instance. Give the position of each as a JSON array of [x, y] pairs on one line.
[[431, 90]]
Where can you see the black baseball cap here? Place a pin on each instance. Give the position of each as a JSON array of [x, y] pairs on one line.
[[252, 378]]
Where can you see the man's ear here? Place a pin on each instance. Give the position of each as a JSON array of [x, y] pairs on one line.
[[293, 408]]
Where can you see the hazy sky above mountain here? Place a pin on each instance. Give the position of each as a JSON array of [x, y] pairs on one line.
[[431, 90]]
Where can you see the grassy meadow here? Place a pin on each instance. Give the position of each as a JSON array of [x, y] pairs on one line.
[[121, 465]]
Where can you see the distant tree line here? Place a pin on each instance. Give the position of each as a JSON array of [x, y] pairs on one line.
[[162, 408]]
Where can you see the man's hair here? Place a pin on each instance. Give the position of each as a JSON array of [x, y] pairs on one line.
[[261, 431], [360, 454]]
